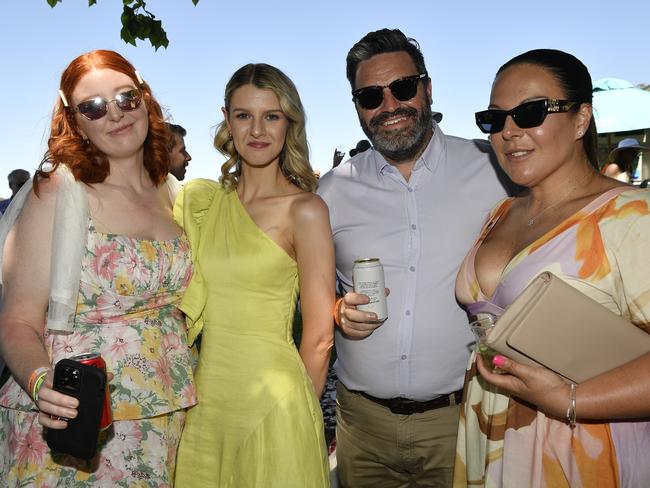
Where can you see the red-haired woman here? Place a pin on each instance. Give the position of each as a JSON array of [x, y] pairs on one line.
[[93, 262]]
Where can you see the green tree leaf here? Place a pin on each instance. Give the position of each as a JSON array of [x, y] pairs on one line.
[[137, 23]]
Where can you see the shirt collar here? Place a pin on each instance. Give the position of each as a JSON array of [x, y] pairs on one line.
[[429, 157]]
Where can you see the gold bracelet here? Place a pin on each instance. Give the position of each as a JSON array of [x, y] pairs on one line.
[[571, 411]]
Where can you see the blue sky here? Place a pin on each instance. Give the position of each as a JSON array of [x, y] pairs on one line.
[[463, 42]]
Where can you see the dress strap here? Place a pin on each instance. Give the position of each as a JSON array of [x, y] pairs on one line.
[[605, 197]]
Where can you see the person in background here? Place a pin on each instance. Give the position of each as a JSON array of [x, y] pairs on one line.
[[260, 239], [337, 157], [95, 249], [17, 178], [415, 200], [624, 160], [179, 158], [362, 145], [527, 426]]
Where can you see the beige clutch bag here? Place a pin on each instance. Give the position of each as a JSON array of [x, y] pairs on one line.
[[553, 324]]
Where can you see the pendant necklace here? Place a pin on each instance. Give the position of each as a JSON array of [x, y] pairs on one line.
[[531, 221]]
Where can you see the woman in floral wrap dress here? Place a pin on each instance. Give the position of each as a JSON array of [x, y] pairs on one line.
[[521, 428], [99, 211]]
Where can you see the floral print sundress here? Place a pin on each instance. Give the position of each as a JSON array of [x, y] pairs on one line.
[[126, 311]]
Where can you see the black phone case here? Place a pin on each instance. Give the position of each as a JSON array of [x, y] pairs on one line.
[[87, 384]]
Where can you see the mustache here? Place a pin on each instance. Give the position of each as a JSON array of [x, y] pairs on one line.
[[384, 116]]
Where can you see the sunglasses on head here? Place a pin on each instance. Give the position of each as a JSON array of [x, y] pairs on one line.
[[404, 89], [97, 107], [526, 115]]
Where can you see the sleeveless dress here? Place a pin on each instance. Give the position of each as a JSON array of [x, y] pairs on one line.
[[127, 311], [602, 250], [258, 422]]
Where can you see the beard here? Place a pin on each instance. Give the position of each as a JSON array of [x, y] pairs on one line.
[[403, 145]]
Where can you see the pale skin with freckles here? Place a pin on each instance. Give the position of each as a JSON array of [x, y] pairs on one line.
[[550, 160], [382, 70], [296, 220], [126, 203]]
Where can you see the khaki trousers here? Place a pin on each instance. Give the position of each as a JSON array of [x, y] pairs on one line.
[[376, 448]]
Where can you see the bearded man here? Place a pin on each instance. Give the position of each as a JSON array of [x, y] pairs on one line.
[[416, 200]]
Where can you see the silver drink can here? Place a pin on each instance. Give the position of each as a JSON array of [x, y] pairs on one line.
[[368, 278]]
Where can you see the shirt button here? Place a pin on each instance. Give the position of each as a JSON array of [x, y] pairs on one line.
[[410, 189], [413, 226], [408, 312], [412, 268], [403, 357]]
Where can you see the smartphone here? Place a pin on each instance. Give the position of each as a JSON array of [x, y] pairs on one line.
[[88, 385]]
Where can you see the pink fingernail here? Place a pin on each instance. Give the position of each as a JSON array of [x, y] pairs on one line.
[[498, 360]]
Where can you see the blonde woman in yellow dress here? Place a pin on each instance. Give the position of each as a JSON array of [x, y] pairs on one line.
[[260, 239]]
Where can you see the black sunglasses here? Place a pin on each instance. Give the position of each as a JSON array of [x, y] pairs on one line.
[[526, 115], [404, 89], [97, 107]]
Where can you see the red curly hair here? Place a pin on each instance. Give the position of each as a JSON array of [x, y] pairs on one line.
[[87, 163]]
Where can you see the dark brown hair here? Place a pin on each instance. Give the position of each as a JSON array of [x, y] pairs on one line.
[[575, 80], [380, 42]]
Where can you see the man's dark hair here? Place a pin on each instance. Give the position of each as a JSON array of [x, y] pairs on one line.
[[362, 145], [19, 174], [177, 129], [380, 42]]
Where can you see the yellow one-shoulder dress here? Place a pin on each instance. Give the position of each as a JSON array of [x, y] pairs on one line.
[[258, 422]]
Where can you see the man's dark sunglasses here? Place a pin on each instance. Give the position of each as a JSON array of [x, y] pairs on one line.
[[526, 115], [97, 107], [370, 97]]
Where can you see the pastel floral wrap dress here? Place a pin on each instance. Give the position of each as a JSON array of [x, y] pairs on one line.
[[602, 250]]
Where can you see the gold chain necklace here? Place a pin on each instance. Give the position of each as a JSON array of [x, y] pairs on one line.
[[531, 221]]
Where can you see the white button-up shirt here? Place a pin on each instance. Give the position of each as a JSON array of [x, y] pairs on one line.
[[421, 231]]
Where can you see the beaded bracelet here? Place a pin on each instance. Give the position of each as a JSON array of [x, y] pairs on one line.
[[37, 385], [36, 381], [571, 411], [335, 312], [35, 374]]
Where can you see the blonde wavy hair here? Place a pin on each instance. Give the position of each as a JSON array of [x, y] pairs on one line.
[[294, 158]]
